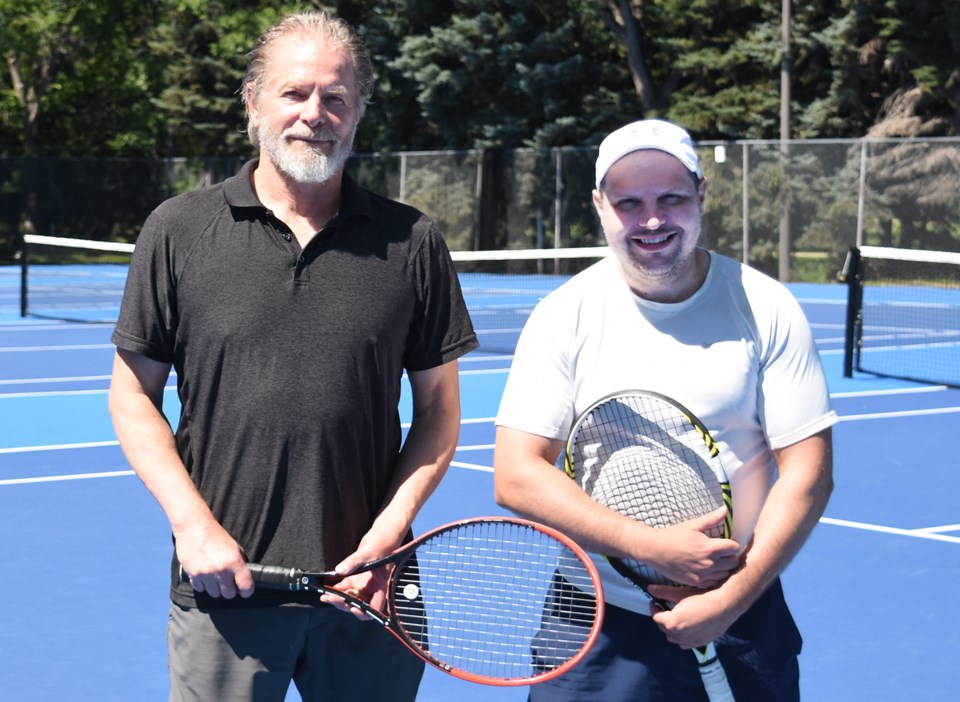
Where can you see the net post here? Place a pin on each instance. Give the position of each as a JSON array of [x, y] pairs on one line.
[[24, 266], [851, 276]]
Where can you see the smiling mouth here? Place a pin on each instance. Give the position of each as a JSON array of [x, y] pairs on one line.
[[311, 141], [653, 240]]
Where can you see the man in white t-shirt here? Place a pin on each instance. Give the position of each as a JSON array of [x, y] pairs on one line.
[[663, 314]]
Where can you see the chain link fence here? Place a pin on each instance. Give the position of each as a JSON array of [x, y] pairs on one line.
[[791, 209]]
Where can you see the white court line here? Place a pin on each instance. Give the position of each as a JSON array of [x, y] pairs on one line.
[[59, 393], [820, 301], [892, 391], [471, 466], [26, 325], [51, 393], [71, 347], [478, 420], [58, 447], [915, 533], [68, 379], [473, 358], [934, 530], [892, 415], [60, 478]]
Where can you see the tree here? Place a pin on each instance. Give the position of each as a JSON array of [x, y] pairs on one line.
[[509, 73], [77, 61], [35, 36], [198, 61]]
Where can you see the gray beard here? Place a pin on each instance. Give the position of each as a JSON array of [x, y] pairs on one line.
[[303, 165]]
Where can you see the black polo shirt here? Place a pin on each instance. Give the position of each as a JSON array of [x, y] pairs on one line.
[[289, 361]]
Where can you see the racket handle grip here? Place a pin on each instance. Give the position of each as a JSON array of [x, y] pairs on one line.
[[275, 577], [715, 682]]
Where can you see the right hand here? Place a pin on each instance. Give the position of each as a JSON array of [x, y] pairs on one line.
[[686, 554], [213, 561]]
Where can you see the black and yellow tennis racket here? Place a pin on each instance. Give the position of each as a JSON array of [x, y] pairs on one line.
[[646, 456], [500, 601]]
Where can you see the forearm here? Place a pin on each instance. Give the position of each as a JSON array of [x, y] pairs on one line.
[[795, 504], [423, 460], [149, 446], [136, 407], [205, 550], [421, 464]]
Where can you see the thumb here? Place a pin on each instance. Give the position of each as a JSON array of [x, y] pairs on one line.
[[709, 521], [349, 564]]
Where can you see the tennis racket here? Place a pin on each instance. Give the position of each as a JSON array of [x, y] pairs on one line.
[[645, 456], [500, 601]]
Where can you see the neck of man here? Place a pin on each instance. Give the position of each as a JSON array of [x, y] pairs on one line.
[[304, 207]]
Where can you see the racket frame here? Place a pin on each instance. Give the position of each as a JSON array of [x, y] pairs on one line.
[[293, 579]]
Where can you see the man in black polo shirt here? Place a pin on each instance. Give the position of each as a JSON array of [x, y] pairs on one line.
[[290, 302]]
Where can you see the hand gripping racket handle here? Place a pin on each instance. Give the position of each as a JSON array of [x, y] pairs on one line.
[[714, 679], [276, 577]]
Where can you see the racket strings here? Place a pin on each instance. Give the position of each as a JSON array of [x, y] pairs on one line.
[[496, 600], [645, 459]]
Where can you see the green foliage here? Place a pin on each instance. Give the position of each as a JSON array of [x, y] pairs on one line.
[[159, 77], [490, 74]]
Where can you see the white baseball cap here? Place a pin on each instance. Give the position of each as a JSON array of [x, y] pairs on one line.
[[647, 134]]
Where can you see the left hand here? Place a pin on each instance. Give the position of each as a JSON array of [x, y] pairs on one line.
[[696, 618], [369, 586]]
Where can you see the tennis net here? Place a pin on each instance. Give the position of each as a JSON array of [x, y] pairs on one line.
[[82, 281], [502, 287], [903, 318], [74, 280]]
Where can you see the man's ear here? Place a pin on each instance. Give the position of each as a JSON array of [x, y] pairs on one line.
[[250, 102]]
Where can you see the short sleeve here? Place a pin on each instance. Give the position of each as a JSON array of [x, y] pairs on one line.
[[794, 400], [147, 319], [442, 330], [538, 397]]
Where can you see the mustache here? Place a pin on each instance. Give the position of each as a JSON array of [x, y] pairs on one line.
[[318, 134]]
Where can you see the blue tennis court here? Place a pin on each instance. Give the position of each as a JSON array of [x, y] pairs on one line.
[[84, 592]]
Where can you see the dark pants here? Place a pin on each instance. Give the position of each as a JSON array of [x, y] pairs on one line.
[[252, 655], [632, 661]]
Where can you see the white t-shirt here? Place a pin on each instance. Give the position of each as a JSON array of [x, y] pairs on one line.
[[739, 354]]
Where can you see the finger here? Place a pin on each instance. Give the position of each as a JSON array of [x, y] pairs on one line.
[[244, 582], [228, 589], [668, 595], [348, 565], [209, 585], [712, 519], [344, 606]]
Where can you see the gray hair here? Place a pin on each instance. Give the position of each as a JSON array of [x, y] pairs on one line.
[[336, 33]]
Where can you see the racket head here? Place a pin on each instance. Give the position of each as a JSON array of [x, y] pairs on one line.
[[498, 601], [646, 456]]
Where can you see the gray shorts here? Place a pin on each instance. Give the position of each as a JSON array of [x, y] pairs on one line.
[[252, 655]]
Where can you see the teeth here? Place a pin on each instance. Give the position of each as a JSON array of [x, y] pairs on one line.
[[658, 240]]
